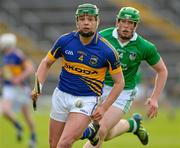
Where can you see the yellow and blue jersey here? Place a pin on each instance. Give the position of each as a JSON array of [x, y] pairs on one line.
[[12, 63], [84, 66]]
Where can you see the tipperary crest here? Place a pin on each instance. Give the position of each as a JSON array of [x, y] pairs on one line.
[[132, 56], [93, 60]]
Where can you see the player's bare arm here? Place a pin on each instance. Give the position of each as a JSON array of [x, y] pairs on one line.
[[41, 75], [160, 81], [117, 88], [43, 69]]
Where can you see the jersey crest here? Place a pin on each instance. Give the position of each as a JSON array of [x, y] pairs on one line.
[[132, 56], [93, 60]]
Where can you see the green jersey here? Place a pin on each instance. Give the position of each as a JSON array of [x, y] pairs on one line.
[[132, 54]]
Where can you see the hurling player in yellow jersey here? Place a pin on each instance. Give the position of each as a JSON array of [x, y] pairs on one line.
[[86, 57]]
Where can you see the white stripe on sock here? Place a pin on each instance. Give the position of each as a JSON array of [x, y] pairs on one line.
[[135, 126]]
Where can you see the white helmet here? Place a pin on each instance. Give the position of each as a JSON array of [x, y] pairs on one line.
[[7, 40]]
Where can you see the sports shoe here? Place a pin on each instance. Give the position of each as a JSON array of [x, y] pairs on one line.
[[95, 138], [141, 131], [32, 142]]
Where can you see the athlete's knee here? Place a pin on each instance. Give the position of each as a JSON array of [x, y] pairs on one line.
[[53, 143], [6, 110], [103, 132], [65, 142]]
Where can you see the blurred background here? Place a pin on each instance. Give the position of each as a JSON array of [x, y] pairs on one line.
[[38, 23]]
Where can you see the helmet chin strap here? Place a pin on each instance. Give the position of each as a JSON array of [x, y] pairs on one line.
[[89, 34]]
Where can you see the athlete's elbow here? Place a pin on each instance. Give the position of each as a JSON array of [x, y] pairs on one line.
[[121, 83], [164, 72]]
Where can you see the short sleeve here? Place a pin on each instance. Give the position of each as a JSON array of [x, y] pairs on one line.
[[55, 52], [152, 56], [113, 61]]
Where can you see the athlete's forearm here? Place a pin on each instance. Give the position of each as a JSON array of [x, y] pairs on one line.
[[113, 95], [43, 69], [160, 81], [116, 90]]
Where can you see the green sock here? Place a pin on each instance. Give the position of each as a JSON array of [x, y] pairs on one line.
[[132, 124]]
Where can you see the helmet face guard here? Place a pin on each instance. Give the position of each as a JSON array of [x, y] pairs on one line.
[[129, 13], [88, 9]]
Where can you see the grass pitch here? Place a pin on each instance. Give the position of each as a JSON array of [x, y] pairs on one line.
[[164, 133]]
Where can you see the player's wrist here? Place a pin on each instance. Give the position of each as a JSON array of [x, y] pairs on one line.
[[104, 107], [38, 86]]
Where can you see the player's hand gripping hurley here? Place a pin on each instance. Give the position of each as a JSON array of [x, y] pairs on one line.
[[36, 92]]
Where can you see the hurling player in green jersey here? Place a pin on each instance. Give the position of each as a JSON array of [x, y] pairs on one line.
[[133, 49]]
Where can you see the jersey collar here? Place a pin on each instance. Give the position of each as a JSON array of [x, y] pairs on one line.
[[115, 35]]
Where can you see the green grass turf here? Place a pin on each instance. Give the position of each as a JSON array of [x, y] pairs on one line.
[[164, 133]]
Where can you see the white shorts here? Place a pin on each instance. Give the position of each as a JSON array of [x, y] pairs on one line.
[[141, 92], [64, 103], [124, 101], [17, 95]]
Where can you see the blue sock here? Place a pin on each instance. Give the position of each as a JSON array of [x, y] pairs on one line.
[[33, 136], [17, 125], [88, 133]]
